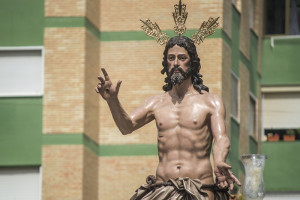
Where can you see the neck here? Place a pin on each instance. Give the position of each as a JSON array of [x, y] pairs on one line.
[[183, 89]]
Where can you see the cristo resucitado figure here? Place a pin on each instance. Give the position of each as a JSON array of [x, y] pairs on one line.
[[189, 120]]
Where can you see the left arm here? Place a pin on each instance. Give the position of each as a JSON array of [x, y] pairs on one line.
[[221, 145]]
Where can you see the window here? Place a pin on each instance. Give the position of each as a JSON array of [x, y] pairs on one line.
[[21, 72], [281, 114], [281, 110], [280, 134], [20, 183], [282, 17], [252, 116], [294, 28], [234, 95]]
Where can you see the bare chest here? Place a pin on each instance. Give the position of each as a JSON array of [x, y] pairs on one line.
[[186, 114]]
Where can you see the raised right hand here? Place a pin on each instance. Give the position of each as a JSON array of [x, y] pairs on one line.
[[105, 88]]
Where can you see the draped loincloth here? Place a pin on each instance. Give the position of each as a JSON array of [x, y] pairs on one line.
[[178, 189]]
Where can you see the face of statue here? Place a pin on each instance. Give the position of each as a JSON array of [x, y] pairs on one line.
[[178, 64]]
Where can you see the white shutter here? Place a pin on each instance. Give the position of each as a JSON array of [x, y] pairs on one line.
[[20, 183], [21, 72], [281, 110]]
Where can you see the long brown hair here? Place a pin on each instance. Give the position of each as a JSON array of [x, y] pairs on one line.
[[190, 47]]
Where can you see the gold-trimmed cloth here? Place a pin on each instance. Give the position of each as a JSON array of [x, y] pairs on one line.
[[179, 189]]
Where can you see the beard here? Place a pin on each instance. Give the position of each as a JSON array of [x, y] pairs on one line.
[[178, 78]]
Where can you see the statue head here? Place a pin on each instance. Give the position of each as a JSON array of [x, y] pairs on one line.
[[192, 72]]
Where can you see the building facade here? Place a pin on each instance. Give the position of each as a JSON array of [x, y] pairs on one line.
[[55, 128], [281, 94]]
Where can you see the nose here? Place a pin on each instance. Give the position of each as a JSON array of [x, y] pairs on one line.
[[175, 62]]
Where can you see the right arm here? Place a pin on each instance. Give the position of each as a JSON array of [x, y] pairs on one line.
[[126, 123]]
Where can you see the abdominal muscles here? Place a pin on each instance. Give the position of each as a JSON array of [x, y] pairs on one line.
[[187, 155]]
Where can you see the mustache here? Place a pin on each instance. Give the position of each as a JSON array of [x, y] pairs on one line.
[[176, 68]]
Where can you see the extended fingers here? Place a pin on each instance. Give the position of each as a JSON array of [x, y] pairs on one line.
[[225, 184], [101, 80], [224, 165], [98, 88], [118, 85], [232, 176], [222, 184], [105, 74], [236, 180], [221, 180], [100, 85], [226, 177], [230, 183]]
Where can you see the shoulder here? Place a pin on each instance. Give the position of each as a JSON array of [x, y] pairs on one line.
[[152, 101], [154, 98], [213, 101], [209, 98]]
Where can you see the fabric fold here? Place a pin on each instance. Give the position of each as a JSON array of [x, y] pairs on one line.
[[178, 189]]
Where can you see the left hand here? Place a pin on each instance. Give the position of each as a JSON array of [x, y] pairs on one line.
[[225, 177]]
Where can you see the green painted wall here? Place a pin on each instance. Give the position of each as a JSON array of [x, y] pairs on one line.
[[235, 42], [253, 63], [280, 65], [282, 166], [21, 22], [21, 131], [237, 56], [234, 154], [252, 145]]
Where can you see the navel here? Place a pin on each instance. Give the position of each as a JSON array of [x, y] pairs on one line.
[[195, 122]]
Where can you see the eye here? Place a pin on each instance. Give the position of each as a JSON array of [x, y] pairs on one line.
[[183, 58], [171, 57]]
